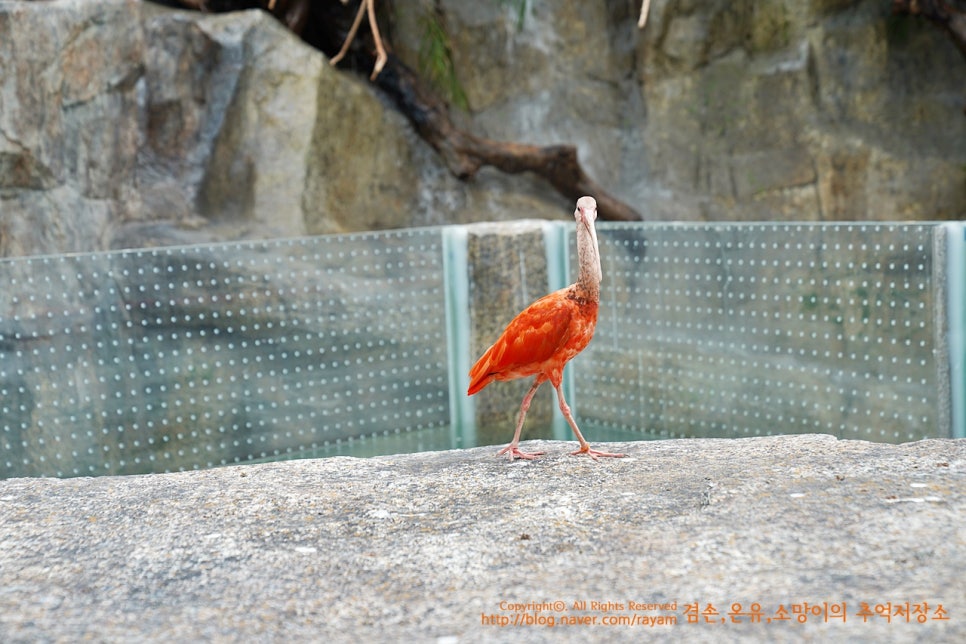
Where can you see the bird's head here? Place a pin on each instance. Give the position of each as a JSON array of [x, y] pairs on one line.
[[586, 215], [586, 212]]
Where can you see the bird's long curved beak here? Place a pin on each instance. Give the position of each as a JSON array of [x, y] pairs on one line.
[[588, 249], [587, 222]]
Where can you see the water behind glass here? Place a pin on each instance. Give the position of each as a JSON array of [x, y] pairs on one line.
[[167, 359], [751, 329]]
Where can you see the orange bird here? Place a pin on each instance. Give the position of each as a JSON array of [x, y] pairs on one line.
[[547, 334]]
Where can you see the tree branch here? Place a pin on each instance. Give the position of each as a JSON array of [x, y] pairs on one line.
[[465, 153]]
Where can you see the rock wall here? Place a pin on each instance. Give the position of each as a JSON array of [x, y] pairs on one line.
[[125, 124], [69, 135], [724, 109], [194, 127]]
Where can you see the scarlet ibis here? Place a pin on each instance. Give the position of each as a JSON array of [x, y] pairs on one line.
[[548, 334]]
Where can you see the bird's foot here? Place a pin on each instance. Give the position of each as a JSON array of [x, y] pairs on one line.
[[593, 453], [514, 453]]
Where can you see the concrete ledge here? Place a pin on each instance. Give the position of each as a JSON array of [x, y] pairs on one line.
[[427, 547]]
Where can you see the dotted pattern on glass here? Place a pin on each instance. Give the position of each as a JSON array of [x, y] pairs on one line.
[[748, 330], [180, 358]]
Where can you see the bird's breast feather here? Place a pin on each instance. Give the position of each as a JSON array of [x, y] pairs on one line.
[[537, 333]]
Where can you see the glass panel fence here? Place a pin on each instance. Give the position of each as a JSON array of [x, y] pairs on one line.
[[177, 358], [736, 330]]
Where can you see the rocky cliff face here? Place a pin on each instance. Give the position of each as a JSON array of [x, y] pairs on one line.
[[124, 124], [724, 109]]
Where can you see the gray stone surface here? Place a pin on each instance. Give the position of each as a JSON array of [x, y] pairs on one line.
[[421, 547]]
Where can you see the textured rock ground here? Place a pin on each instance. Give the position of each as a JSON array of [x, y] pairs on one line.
[[443, 546]]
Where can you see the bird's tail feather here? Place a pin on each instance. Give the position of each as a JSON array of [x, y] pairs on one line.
[[480, 375]]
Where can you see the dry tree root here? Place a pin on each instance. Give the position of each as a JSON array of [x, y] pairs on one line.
[[367, 6], [465, 153]]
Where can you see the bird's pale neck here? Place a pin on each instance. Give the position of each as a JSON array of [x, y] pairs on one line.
[[588, 258]]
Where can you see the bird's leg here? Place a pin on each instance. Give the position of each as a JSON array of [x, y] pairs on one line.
[[584, 445], [511, 449]]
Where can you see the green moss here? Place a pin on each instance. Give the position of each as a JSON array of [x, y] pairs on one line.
[[436, 61]]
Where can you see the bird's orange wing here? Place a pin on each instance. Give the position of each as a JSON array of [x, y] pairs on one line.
[[528, 342]]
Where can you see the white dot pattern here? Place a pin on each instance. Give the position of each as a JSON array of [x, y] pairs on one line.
[[757, 329], [180, 358]]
